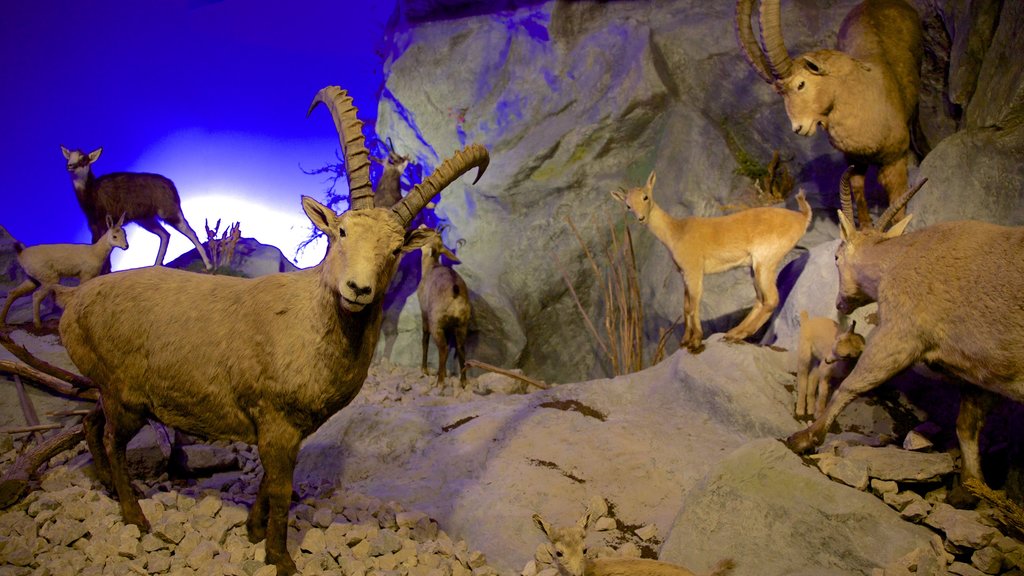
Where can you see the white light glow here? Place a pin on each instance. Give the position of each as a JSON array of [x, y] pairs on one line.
[[268, 224]]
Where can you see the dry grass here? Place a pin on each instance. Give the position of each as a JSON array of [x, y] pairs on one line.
[[221, 249], [621, 341]]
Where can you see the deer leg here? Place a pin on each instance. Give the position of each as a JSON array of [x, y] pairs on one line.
[[974, 406], [885, 355], [691, 309], [278, 447], [181, 225], [893, 177], [17, 292], [154, 226], [121, 425]]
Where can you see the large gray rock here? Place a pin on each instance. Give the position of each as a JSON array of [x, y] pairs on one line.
[[762, 506]]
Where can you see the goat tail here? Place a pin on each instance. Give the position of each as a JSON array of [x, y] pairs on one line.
[[805, 207], [723, 568]]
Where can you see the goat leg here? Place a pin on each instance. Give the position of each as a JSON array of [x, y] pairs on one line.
[[121, 426], [974, 406], [278, 452]]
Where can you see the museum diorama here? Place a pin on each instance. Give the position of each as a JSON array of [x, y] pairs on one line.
[[609, 287]]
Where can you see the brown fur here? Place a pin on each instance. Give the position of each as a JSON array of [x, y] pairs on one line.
[[823, 352], [145, 199], [864, 93], [757, 237], [389, 188], [46, 264], [569, 555], [444, 307], [948, 295]]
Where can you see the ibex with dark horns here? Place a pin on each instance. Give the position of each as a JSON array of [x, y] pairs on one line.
[[948, 295], [389, 187], [144, 199], [279, 354], [864, 93]]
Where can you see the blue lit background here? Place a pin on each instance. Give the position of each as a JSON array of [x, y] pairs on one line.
[[212, 94]]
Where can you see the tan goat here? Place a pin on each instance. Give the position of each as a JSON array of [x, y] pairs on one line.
[[264, 360], [948, 295], [756, 237], [822, 342], [46, 264], [444, 306], [864, 93], [570, 559]]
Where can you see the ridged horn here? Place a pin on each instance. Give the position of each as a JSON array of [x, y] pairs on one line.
[[846, 196], [751, 49], [890, 213], [469, 157], [353, 144], [778, 58]]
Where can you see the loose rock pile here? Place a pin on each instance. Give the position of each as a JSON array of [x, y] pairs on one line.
[[912, 483]]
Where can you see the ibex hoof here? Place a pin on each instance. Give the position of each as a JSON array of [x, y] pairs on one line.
[[694, 347], [801, 442]]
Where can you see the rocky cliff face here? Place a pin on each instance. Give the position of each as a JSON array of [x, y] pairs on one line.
[[575, 99]]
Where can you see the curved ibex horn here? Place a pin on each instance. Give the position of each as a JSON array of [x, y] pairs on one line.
[[751, 49], [778, 58], [890, 213], [845, 196], [471, 156], [353, 145]]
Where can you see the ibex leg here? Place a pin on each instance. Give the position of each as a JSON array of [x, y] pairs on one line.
[[17, 292], [154, 226], [181, 225]]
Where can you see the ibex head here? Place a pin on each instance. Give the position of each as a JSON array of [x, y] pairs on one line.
[[848, 344], [395, 160], [116, 232], [434, 246], [849, 254], [807, 83], [568, 549], [364, 243], [638, 200]]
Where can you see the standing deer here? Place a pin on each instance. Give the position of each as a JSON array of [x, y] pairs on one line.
[[280, 354], [143, 198], [949, 295], [863, 94]]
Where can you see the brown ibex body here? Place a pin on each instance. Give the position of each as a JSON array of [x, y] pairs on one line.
[[444, 307], [389, 187], [948, 295], [756, 237], [46, 264], [864, 93], [822, 341], [144, 199], [268, 359]]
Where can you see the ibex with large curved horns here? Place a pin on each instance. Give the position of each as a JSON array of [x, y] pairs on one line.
[[863, 94], [264, 360], [948, 295]]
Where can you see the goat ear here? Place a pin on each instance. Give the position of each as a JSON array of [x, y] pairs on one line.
[[321, 216], [110, 222], [815, 66], [650, 180], [585, 521], [95, 154], [618, 195], [846, 228], [898, 228], [451, 255], [417, 238], [67, 153], [542, 525], [120, 221]]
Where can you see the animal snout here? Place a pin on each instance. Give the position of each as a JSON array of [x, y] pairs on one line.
[[359, 291], [798, 128]]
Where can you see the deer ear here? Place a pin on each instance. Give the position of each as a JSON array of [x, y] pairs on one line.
[[95, 154], [120, 220], [899, 227], [650, 180], [542, 525], [67, 153], [618, 195], [110, 222]]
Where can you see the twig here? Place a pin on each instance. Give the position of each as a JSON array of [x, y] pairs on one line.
[[21, 353], [1009, 513], [27, 408], [54, 384], [14, 484], [66, 413], [36, 428], [510, 374]]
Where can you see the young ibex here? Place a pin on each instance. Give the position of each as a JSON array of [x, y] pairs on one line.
[[46, 264], [389, 187], [864, 93], [444, 306], [144, 199], [279, 354], [948, 295], [821, 341], [569, 555], [756, 237]]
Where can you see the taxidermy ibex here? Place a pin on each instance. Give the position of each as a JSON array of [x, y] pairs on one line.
[[279, 354], [444, 306], [864, 93], [756, 237], [143, 198], [948, 295], [389, 187]]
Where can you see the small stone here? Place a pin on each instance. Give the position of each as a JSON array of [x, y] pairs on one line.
[[961, 569], [597, 507], [604, 524], [882, 487], [647, 532], [901, 500], [530, 569], [386, 542], [916, 511], [157, 563], [850, 472], [361, 551], [314, 541], [409, 519], [629, 550], [209, 506], [323, 517], [267, 570], [916, 441], [963, 528], [477, 559], [989, 560]]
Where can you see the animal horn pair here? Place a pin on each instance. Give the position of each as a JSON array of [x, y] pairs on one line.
[[357, 160], [885, 220], [772, 62]]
